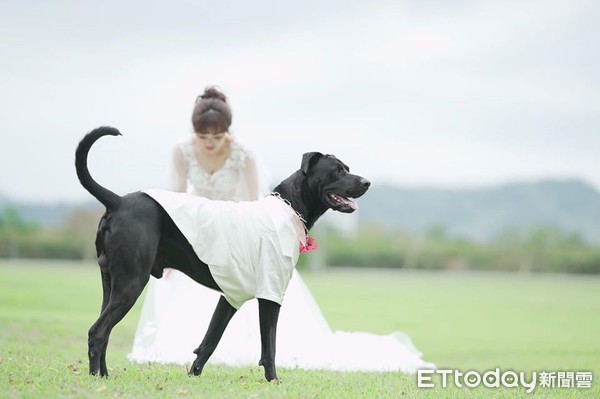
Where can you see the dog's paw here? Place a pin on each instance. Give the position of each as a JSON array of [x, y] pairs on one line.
[[194, 371]]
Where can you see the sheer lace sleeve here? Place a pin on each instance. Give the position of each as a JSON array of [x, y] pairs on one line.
[[178, 170], [253, 176], [249, 177]]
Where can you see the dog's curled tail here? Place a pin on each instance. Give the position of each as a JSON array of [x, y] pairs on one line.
[[104, 195]]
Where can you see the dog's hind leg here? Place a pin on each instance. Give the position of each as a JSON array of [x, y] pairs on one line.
[[268, 313], [221, 317], [122, 298], [106, 288], [106, 283]]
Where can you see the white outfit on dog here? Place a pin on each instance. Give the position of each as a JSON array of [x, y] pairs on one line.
[[250, 247], [177, 310]]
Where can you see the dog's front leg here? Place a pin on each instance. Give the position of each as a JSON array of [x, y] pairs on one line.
[[268, 313], [223, 313]]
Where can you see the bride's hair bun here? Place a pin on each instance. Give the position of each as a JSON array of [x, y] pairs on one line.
[[212, 92], [211, 112]]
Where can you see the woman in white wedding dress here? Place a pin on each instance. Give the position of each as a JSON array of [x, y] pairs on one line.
[[212, 163]]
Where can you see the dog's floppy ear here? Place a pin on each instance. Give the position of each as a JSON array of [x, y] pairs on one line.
[[308, 160]]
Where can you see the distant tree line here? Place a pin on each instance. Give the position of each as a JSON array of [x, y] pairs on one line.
[[73, 240], [542, 249]]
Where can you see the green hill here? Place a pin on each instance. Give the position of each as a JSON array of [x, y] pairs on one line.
[[480, 214]]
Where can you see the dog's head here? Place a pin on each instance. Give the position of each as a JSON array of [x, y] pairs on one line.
[[331, 180]]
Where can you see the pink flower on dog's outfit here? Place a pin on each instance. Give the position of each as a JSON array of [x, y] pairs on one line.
[[310, 245]]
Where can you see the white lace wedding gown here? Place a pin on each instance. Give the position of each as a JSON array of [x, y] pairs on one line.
[[177, 310]]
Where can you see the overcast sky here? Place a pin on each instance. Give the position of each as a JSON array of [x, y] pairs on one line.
[[418, 92]]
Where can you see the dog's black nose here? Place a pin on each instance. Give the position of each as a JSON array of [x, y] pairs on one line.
[[365, 183]]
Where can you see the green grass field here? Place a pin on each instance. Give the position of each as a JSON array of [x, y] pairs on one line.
[[464, 321]]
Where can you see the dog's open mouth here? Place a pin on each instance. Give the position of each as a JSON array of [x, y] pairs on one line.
[[341, 204]]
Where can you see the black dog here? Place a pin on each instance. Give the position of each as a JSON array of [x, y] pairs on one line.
[[136, 238]]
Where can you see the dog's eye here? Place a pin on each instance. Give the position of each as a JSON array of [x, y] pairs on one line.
[[339, 170]]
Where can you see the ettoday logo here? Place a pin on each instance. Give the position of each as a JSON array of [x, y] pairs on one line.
[[509, 379]]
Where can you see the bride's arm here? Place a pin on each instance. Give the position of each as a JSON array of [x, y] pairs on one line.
[[177, 180]]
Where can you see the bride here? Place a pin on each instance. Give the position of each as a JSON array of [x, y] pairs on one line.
[[175, 315]]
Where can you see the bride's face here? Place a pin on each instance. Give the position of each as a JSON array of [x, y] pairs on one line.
[[212, 142]]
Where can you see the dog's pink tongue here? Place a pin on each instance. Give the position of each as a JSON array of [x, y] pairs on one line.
[[350, 203]]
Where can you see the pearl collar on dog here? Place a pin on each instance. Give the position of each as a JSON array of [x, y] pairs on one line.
[[307, 244]]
